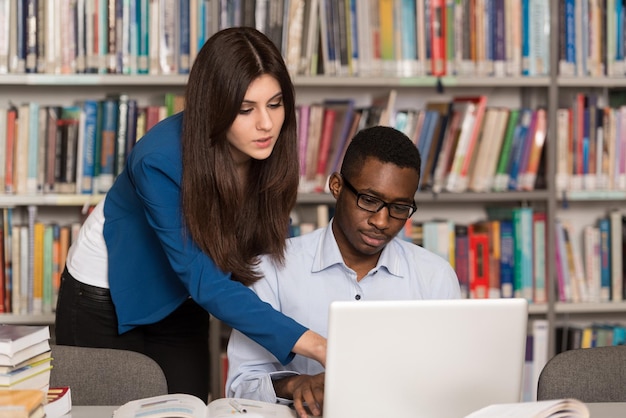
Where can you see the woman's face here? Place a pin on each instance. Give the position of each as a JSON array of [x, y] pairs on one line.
[[255, 130]]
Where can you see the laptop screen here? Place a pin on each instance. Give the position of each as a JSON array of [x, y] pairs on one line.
[[423, 358]]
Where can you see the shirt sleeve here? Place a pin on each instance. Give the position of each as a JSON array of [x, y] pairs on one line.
[[156, 177], [251, 368]]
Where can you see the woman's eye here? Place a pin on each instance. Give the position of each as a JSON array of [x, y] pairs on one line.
[[244, 111], [275, 105]]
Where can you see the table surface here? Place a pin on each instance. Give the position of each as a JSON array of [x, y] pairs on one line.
[[597, 410]]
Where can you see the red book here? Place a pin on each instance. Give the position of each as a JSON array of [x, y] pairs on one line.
[[324, 148], [479, 264], [59, 402], [438, 37], [9, 186]]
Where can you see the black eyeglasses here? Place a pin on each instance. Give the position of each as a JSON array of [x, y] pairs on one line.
[[373, 204]]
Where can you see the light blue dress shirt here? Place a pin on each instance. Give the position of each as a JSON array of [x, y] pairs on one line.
[[315, 275]]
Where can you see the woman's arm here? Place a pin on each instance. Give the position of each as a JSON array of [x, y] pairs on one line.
[[312, 345]]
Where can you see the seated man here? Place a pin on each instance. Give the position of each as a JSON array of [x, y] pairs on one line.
[[356, 257]]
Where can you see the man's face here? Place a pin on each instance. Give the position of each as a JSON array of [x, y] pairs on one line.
[[360, 233]]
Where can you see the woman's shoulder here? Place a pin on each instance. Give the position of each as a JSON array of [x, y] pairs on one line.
[[162, 138]]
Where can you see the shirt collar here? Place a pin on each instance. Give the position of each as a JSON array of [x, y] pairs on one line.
[[327, 254]]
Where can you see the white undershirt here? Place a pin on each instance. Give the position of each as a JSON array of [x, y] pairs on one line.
[[87, 258]]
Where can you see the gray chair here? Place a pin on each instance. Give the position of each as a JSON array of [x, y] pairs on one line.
[[589, 374], [103, 376]]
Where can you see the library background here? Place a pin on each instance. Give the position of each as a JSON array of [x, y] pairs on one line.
[[516, 106]]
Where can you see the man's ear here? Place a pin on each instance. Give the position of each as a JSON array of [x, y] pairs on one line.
[[334, 184]]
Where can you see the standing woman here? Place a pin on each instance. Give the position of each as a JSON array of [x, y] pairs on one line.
[[178, 236]]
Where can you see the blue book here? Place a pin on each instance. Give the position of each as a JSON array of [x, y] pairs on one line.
[[526, 37], [107, 151], [507, 257], [183, 37], [409, 38], [585, 137], [619, 29], [570, 36], [421, 139], [517, 149], [33, 148], [142, 18], [499, 37], [604, 224], [426, 140], [354, 38], [90, 108], [523, 268], [619, 335]]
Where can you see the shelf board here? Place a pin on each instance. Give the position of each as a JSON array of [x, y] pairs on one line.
[[92, 80], [537, 309], [590, 308], [8, 200], [600, 82], [56, 80], [426, 81], [593, 195], [426, 197], [27, 319]]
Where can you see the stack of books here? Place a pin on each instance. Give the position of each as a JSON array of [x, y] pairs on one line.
[[25, 359]]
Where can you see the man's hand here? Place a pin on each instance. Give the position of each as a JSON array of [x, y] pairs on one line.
[[303, 389]]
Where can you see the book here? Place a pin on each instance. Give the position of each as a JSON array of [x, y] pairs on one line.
[[21, 403], [58, 402], [571, 408], [188, 406], [14, 338], [458, 177], [8, 380], [25, 354]]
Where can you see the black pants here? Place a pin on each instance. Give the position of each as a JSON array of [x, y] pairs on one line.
[[179, 343]]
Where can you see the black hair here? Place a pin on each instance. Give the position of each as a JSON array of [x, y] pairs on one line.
[[384, 143]]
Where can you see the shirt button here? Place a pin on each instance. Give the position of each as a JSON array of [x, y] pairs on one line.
[[358, 297]]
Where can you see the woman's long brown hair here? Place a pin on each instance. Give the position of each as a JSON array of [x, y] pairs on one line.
[[234, 225]]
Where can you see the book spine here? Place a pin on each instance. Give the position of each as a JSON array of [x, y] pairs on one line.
[[143, 36], [90, 109], [303, 127], [523, 272], [122, 133], [33, 147], [616, 257], [539, 237], [507, 258], [461, 256], [21, 149], [31, 50], [479, 264], [109, 133], [437, 28], [80, 40], [11, 138], [324, 147], [183, 22]]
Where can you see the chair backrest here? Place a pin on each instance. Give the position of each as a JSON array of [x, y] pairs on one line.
[[590, 374], [104, 376]]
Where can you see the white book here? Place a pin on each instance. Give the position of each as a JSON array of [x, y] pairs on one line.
[[188, 406], [616, 239], [572, 408], [5, 12], [540, 331], [3, 144]]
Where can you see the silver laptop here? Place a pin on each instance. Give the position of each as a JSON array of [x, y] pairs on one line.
[[443, 358]]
